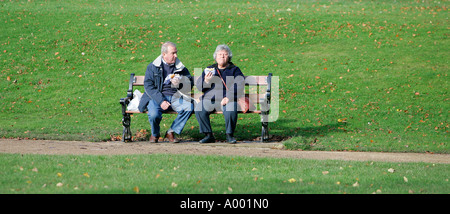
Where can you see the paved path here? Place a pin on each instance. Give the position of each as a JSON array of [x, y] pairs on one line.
[[253, 149]]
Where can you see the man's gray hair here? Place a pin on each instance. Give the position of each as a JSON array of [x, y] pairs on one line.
[[166, 45], [221, 48]]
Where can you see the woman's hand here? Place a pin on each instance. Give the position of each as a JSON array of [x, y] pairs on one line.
[[208, 77], [224, 101]]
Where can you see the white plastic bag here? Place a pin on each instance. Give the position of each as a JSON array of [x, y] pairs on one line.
[[134, 104]]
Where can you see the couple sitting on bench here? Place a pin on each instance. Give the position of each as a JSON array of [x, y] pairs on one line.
[[168, 85]]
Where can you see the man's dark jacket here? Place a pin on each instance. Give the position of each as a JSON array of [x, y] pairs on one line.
[[153, 82]]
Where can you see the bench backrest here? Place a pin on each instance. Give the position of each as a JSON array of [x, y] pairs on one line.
[[256, 88]]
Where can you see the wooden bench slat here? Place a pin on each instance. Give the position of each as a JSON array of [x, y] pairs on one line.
[[250, 80], [139, 81], [174, 112]]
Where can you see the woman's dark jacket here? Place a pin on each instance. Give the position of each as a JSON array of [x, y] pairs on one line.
[[233, 78]]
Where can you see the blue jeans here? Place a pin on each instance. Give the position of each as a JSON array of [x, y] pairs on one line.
[[182, 107]]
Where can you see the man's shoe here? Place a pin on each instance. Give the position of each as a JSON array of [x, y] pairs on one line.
[[171, 137], [231, 139], [209, 138], [153, 139]]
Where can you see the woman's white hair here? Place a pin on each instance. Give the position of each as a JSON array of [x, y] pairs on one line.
[[221, 48]]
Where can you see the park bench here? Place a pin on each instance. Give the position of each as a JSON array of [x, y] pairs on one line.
[[257, 90]]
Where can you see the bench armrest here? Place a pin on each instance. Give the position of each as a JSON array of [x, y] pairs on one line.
[[125, 101], [269, 86], [265, 100], [130, 86]]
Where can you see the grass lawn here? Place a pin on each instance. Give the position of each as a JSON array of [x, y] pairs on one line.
[[354, 75], [367, 76], [191, 174]]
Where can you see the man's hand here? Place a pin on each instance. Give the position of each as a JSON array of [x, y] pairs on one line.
[[165, 105], [175, 81], [224, 101]]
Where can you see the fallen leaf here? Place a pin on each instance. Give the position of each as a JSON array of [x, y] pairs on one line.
[[136, 189]]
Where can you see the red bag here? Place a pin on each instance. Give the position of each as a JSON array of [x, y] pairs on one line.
[[244, 103]]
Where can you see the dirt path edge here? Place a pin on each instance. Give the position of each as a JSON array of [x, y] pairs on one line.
[[252, 149]]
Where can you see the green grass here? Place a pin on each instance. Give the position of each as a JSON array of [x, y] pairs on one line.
[[365, 76], [190, 174], [354, 75]]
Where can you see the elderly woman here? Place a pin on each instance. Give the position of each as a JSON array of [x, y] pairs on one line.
[[222, 84]]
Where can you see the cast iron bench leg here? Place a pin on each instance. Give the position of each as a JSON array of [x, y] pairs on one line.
[[126, 121], [264, 126]]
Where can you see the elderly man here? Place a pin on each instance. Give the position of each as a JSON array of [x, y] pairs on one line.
[[166, 82]]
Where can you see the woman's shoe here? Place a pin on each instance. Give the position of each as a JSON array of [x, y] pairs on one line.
[[209, 138], [231, 139]]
